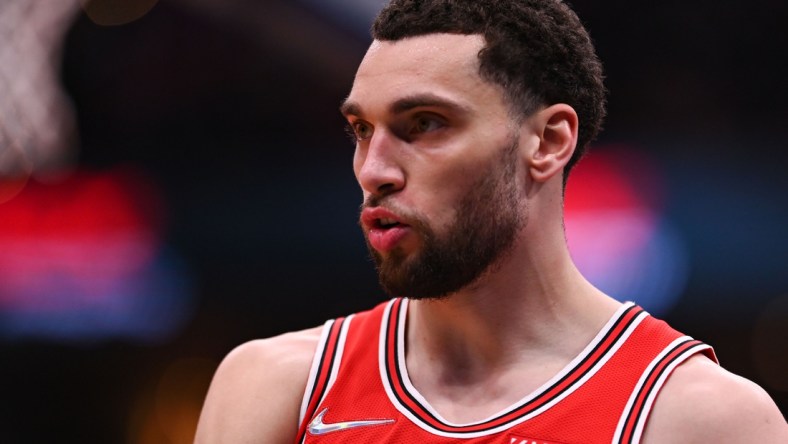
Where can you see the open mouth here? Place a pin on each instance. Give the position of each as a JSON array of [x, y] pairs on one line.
[[384, 229], [386, 223]]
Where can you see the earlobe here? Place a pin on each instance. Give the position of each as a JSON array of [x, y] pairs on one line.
[[557, 127]]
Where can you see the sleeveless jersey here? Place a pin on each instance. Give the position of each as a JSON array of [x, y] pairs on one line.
[[359, 390]]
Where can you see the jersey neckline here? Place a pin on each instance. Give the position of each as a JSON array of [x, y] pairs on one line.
[[408, 401]]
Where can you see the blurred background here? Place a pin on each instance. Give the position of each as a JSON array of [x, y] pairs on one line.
[[175, 180]]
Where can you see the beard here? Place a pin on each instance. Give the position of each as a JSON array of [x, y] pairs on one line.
[[483, 232]]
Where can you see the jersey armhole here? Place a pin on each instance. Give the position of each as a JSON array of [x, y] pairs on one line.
[[324, 369], [633, 419], [313, 370]]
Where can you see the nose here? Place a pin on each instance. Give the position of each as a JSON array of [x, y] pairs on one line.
[[377, 165]]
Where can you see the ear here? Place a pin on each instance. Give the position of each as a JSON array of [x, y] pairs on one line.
[[556, 127]]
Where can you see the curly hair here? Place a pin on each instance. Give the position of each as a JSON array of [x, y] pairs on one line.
[[537, 50]]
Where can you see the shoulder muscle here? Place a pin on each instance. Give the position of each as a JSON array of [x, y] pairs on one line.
[[256, 392], [701, 402]]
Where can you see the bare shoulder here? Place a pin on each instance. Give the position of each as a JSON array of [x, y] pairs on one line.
[[255, 395], [701, 402]]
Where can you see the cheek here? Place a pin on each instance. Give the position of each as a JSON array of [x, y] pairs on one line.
[[445, 191]]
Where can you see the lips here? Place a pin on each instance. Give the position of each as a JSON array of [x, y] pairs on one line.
[[384, 229]]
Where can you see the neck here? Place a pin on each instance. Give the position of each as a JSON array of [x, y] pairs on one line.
[[534, 309], [480, 350]]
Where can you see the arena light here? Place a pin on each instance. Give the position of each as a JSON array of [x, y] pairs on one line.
[[83, 260], [618, 233]]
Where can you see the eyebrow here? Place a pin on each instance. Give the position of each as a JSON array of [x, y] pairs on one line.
[[408, 103]]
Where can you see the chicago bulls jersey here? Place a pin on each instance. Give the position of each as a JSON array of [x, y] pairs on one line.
[[359, 390]]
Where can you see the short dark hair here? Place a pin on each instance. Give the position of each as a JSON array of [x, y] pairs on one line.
[[537, 50]]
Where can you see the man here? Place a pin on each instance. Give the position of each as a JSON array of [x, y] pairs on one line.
[[467, 117]]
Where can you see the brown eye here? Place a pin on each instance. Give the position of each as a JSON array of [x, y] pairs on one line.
[[425, 124], [362, 130]]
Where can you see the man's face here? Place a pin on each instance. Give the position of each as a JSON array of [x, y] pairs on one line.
[[437, 158]]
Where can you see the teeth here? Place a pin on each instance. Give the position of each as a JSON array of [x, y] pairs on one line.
[[386, 222]]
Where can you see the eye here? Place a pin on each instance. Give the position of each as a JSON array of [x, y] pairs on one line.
[[359, 130], [424, 124]]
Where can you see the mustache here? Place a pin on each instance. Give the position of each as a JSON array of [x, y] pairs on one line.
[[373, 201], [389, 204], [414, 218]]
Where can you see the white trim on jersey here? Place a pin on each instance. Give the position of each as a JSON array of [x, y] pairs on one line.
[[648, 403], [338, 357], [310, 382], [566, 370]]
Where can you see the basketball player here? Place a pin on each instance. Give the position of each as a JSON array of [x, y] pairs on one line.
[[468, 116]]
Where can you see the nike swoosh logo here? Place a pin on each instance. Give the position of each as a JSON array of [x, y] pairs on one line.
[[318, 427]]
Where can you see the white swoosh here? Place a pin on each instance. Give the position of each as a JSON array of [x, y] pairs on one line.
[[318, 427]]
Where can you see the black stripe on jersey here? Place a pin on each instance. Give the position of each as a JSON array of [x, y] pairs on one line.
[[323, 373], [333, 340], [587, 357], [519, 410], [690, 346], [389, 350], [319, 371]]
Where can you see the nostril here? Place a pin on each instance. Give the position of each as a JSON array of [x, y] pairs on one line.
[[386, 188]]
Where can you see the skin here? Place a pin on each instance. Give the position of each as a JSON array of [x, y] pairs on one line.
[[425, 121]]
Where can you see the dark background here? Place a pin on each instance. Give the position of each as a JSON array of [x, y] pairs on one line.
[[231, 110]]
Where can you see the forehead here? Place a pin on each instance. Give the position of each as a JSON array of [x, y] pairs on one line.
[[443, 65]]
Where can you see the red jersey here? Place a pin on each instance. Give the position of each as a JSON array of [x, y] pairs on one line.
[[359, 390]]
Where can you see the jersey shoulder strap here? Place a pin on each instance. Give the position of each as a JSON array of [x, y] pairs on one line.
[[635, 415], [322, 374]]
